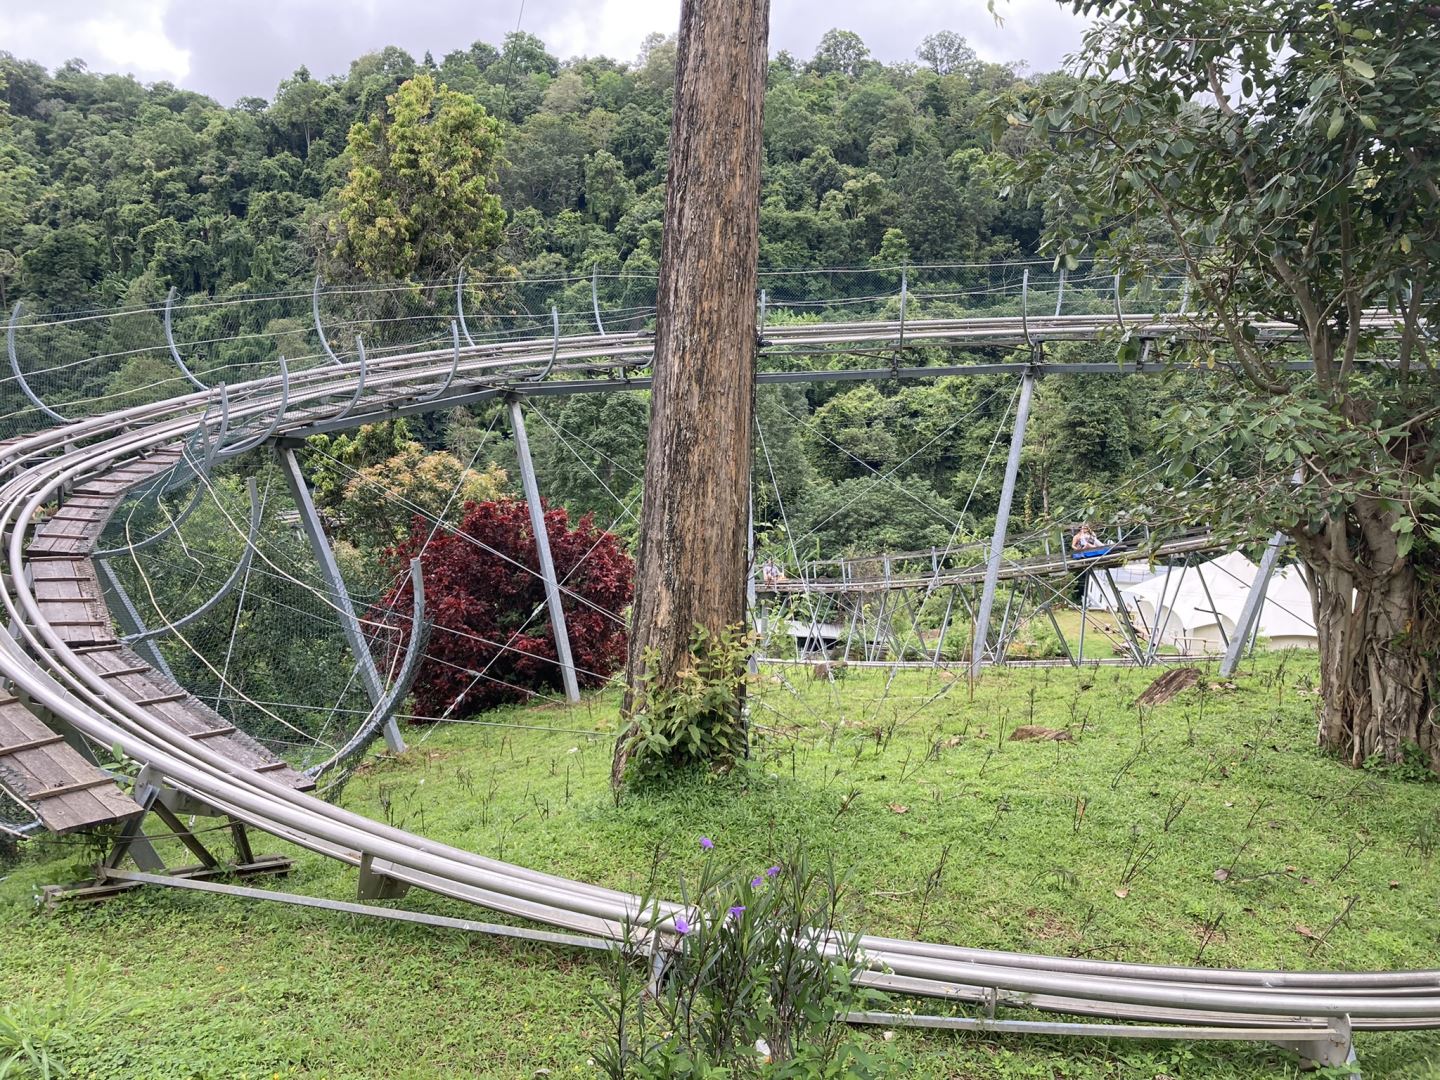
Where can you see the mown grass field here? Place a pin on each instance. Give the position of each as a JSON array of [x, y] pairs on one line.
[[1107, 845]]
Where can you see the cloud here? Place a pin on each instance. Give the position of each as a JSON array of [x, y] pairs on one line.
[[125, 36], [237, 48]]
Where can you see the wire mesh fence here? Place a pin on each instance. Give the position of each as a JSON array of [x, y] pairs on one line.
[[69, 366]]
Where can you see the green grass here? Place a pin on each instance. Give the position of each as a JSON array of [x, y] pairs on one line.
[[891, 782]]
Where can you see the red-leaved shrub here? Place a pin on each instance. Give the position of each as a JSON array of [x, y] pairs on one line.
[[482, 586]]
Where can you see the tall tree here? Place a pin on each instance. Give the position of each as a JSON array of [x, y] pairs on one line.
[[1286, 153], [694, 523], [418, 199]]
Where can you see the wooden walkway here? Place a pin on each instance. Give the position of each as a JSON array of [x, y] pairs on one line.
[[39, 767]]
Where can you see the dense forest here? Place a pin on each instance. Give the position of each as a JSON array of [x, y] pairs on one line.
[[112, 192]]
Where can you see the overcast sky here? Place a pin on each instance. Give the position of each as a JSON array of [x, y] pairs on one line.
[[236, 48]]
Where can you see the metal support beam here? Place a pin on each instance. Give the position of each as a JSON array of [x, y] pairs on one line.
[[1254, 602], [1002, 522], [542, 548], [349, 623]]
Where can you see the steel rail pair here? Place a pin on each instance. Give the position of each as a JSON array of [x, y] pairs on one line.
[[47, 670]]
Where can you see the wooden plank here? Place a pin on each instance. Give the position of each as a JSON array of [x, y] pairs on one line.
[[45, 772], [67, 789], [33, 744]]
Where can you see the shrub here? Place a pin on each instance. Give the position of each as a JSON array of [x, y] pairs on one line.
[[486, 601], [697, 717], [754, 983]]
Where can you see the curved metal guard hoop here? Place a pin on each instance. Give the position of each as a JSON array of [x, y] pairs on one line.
[[225, 455], [904, 301], [1119, 315], [554, 346], [359, 384], [1185, 297], [460, 307], [1060, 291], [230, 582], [170, 343], [20, 375], [319, 329], [1025, 306], [211, 446], [764, 310], [385, 708], [454, 365], [595, 296]]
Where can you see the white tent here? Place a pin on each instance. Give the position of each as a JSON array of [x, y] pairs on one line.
[[1100, 598], [1197, 608]]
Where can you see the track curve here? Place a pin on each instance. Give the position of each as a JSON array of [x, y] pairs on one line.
[[37, 661]]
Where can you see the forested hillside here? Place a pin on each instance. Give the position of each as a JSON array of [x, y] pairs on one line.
[[112, 192]]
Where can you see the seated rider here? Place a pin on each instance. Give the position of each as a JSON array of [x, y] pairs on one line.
[[1085, 539], [773, 574]]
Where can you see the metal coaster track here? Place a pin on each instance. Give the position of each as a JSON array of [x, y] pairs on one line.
[[1313, 1011]]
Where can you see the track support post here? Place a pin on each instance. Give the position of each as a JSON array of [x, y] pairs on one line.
[[542, 548], [330, 570], [1250, 612], [1002, 522]]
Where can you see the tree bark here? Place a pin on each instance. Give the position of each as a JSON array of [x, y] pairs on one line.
[[692, 559], [1379, 653]]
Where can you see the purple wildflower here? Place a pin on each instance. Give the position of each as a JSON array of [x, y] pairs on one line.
[[681, 926], [772, 872], [756, 882], [706, 843], [737, 911]]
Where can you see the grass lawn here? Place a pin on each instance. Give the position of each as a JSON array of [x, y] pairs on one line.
[[1106, 846]]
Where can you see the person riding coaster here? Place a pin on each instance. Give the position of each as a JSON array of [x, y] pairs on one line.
[[1086, 545]]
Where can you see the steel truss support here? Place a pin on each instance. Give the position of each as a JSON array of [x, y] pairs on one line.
[[1002, 522], [1122, 616], [1254, 603], [132, 842], [542, 548], [340, 595]]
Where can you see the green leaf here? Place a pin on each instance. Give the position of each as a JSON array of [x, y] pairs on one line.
[[1360, 67], [1337, 121]]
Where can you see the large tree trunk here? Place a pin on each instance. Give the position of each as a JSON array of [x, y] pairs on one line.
[[1378, 636], [692, 559]]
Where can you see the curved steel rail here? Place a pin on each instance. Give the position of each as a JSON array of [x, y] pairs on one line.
[[78, 695]]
